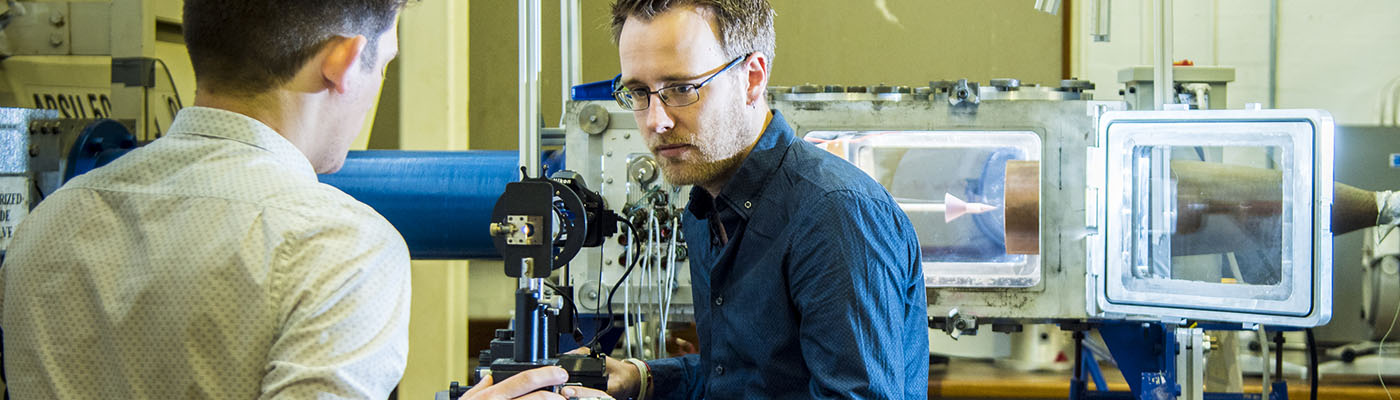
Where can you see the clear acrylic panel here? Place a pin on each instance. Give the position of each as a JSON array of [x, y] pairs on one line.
[[1211, 214], [1211, 221], [929, 171]]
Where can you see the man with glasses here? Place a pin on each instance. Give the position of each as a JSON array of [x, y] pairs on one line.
[[806, 274]]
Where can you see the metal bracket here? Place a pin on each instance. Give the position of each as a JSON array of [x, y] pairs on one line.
[[964, 97], [519, 230], [134, 71]]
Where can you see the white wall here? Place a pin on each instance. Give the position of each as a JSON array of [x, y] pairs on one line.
[[1333, 55]]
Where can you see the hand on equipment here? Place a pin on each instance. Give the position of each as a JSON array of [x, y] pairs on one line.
[[624, 378], [531, 385]]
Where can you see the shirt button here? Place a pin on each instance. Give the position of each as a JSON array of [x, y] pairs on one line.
[[719, 301], [719, 370]]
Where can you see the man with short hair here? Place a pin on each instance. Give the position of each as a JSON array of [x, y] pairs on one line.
[[211, 263], [806, 274]]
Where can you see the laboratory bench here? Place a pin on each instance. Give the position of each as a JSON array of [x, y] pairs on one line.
[[975, 379]]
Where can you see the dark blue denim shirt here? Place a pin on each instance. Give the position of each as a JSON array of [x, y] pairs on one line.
[[818, 292]]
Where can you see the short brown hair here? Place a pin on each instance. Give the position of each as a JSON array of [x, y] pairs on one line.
[[745, 26], [251, 46]]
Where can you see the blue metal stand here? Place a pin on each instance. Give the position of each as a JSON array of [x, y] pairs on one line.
[[1146, 353]]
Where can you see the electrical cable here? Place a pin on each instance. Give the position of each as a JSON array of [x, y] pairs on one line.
[[573, 309], [1380, 361], [669, 287], [1312, 364], [655, 274], [632, 263], [38, 190], [178, 103], [626, 304]]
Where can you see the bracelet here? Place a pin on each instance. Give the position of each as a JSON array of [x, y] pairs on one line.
[[644, 379]]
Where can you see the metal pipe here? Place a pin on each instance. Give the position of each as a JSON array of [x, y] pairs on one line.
[[571, 51], [1273, 54], [1162, 80], [1102, 18], [439, 201], [529, 111]]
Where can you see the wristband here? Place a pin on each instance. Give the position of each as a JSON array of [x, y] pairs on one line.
[[644, 378]]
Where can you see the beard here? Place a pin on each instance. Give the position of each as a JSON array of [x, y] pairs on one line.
[[718, 148]]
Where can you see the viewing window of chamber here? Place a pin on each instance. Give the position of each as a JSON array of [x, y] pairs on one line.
[[1223, 220], [952, 185]]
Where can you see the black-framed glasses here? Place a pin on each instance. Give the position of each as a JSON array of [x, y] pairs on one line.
[[672, 96]]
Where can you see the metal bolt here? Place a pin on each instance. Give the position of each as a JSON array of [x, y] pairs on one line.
[[34, 150], [609, 153], [627, 136], [592, 118], [56, 18], [610, 180], [56, 39]]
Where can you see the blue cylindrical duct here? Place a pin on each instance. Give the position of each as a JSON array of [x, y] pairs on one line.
[[440, 201]]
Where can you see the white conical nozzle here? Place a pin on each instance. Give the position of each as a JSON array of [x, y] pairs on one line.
[[955, 207]]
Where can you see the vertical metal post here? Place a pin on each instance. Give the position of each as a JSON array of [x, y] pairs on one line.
[[1263, 339], [1273, 54], [1162, 79], [1102, 17], [529, 112], [571, 50], [529, 329], [1190, 363]]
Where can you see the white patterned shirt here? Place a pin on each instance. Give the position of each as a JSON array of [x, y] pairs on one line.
[[210, 263]]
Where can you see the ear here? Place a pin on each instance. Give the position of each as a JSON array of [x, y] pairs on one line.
[[757, 67], [340, 55]]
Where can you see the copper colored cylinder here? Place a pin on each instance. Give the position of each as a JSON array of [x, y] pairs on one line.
[[1022, 207]]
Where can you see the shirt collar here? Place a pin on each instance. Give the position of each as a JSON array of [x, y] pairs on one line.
[[743, 190], [224, 124]]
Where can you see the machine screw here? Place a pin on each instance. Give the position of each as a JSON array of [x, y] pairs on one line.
[[499, 229]]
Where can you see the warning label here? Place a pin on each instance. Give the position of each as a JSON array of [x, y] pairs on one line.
[[14, 205]]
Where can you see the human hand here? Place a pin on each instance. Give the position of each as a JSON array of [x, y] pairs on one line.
[[525, 385], [623, 378], [676, 347], [582, 392]]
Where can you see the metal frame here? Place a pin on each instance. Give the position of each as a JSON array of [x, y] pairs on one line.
[[1312, 236], [1066, 130]]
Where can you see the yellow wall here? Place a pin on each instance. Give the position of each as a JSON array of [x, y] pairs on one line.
[[848, 42], [427, 110]]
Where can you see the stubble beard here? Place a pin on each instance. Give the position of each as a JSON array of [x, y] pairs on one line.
[[719, 142]]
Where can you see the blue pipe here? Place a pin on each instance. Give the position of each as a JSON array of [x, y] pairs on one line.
[[440, 201]]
